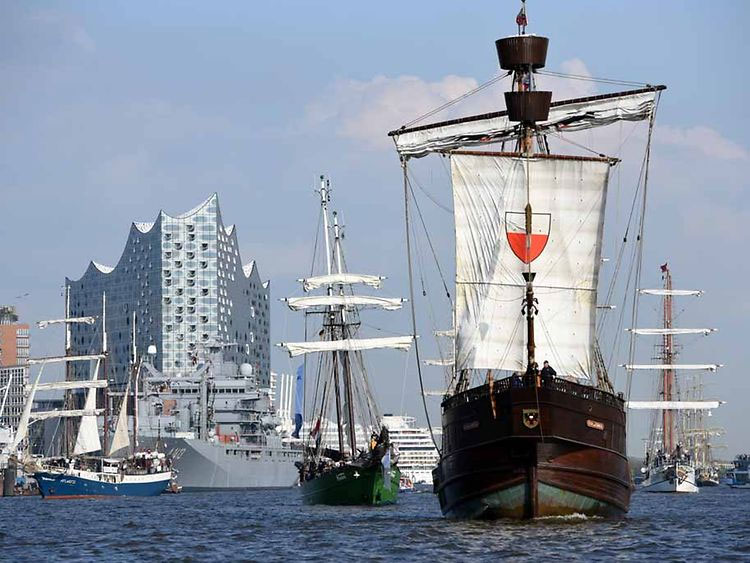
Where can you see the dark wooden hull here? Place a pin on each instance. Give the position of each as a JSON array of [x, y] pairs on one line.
[[526, 451]]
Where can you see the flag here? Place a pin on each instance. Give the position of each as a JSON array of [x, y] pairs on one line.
[[664, 267], [299, 398], [315, 429]]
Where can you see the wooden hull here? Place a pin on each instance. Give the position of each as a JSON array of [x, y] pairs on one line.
[[526, 451], [352, 485]]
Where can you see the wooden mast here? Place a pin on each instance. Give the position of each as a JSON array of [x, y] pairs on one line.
[[324, 197], [345, 360], [668, 358], [523, 54]]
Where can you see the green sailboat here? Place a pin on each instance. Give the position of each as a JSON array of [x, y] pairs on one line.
[[348, 456]]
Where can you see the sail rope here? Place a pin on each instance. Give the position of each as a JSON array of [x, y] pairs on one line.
[[454, 101], [587, 78], [411, 297], [641, 231]]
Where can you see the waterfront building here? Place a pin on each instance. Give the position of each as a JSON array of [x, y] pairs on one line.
[[179, 285], [14, 369]]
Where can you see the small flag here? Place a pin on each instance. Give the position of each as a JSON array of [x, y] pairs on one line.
[[664, 267], [315, 430]]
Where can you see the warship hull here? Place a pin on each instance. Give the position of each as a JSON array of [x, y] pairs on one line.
[[527, 448], [352, 485], [206, 465]]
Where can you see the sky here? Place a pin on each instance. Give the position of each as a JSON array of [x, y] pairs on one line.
[[111, 111]]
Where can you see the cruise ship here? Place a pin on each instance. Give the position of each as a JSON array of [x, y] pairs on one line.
[[418, 456], [221, 430]]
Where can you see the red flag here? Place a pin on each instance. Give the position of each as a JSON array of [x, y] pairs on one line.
[[316, 429], [521, 18]]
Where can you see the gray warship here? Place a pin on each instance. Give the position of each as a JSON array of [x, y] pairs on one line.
[[216, 423]]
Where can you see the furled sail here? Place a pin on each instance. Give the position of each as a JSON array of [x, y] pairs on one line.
[[65, 359], [344, 278], [74, 413], [673, 331], [565, 115], [568, 197], [674, 405], [348, 345], [121, 439], [439, 362], [349, 301], [64, 385], [671, 292], [87, 439], [694, 367]]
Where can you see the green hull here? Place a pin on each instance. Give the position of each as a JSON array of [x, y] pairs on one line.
[[353, 486]]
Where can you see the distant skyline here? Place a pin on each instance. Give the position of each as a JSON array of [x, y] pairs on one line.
[[113, 111]]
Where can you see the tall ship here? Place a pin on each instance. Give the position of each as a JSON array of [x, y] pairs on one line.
[[89, 468], [671, 464], [351, 472], [417, 455], [519, 440], [217, 424]]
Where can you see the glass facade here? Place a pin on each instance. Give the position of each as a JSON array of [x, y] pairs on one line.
[[181, 283]]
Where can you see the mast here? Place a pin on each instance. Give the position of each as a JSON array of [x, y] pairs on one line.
[[345, 355], [668, 358], [68, 424], [324, 198], [522, 55], [105, 446], [136, 373]]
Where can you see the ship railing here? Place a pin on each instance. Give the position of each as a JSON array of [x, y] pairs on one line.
[[502, 386]]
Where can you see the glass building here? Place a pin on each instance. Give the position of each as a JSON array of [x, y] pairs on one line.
[[180, 284]]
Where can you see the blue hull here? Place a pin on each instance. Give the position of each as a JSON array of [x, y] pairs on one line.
[[60, 485]]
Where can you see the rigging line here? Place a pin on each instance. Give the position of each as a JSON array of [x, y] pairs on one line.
[[429, 196], [647, 160], [579, 145], [315, 244], [429, 241], [411, 297], [463, 96], [591, 78]]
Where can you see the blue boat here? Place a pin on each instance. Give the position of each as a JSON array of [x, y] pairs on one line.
[[143, 475]]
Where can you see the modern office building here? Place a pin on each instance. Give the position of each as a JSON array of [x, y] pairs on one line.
[[14, 369], [179, 285]]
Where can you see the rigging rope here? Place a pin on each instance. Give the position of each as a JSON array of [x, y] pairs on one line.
[[454, 101], [411, 297]]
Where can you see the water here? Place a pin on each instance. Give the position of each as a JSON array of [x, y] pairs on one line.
[[274, 525]]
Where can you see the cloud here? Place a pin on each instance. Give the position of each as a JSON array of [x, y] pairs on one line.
[[63, 28], [366, 110], [702, 139]]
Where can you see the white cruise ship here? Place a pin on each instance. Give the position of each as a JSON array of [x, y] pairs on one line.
[[417, 454]]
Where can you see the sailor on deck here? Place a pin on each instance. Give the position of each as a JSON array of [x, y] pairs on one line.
[[548, 371]]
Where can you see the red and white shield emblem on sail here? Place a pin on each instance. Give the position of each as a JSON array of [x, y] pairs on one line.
[[527, 248]]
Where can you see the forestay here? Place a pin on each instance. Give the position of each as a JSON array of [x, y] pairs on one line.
[[568, 198], [566, 115], [347, 345]]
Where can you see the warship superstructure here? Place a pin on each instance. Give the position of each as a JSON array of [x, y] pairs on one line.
[[218, 425]]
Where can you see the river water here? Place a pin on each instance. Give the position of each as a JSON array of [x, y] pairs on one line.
[[274, 525]]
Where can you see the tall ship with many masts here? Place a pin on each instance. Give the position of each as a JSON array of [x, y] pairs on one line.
[[529, 228], [350, 472], [671, 456]]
